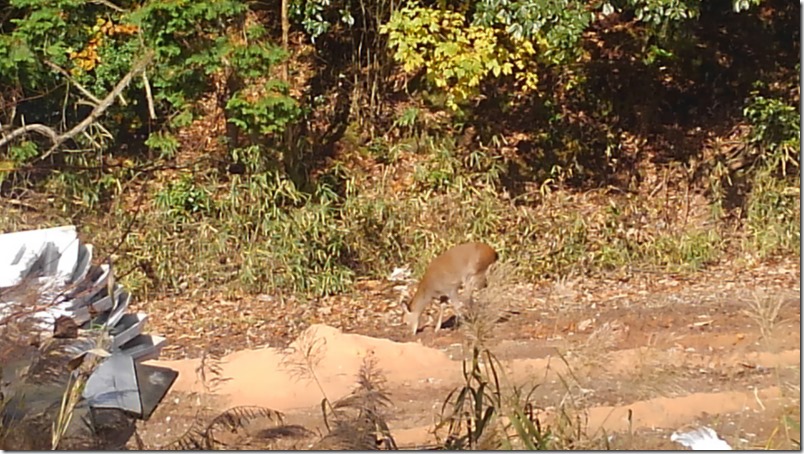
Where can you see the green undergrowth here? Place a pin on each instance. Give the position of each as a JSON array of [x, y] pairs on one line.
[[261, 233], [773, 218], [202, 229]]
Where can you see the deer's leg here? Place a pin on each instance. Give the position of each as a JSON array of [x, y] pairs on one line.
[[440, 315], [456, 303], [469, 287]]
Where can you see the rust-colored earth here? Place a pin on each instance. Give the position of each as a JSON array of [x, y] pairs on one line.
[[718, 348]]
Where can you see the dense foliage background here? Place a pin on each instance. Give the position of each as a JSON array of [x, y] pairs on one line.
[[293, 146]]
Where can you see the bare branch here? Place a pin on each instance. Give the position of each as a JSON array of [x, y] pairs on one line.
[[109, 5], [72, 81], [36, 127], [99, 109], [102, 106], [148, 95]]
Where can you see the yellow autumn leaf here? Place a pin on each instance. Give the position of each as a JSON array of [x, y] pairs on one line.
[[495, 69], [7, 166]]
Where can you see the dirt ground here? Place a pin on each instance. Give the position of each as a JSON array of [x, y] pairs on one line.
[[718, 348]]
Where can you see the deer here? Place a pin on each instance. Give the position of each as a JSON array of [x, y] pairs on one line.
[[464, 265]]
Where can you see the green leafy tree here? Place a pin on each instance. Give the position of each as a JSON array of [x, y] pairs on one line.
[[457, 57], [70, 75]]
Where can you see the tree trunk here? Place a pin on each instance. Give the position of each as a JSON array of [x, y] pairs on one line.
[[288, 132], [285, 38]]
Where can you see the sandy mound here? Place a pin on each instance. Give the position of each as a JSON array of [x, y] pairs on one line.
[[261, 377], [637, 360], [419, 378]]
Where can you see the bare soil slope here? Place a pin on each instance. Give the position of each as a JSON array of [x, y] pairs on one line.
[[722, 349]]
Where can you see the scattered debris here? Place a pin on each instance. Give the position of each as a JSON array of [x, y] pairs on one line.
[[701, 324], [400, 274], [584, 325], [703, 439], [56, 307], [54, 269]]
